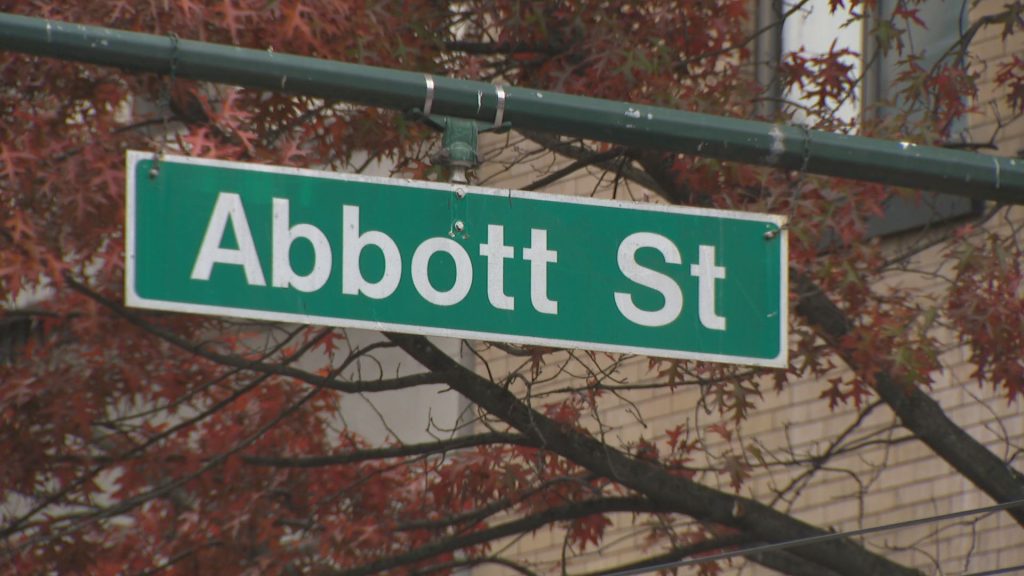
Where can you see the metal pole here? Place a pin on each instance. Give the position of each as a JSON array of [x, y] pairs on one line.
[[788, 147]]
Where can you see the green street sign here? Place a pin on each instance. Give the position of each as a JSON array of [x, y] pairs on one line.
[[294, 245]]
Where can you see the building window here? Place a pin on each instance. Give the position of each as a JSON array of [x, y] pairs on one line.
[[812, 28]]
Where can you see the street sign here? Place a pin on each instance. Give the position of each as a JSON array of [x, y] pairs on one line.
[[295, 245]]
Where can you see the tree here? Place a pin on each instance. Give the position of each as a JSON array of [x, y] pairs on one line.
[[143, 443]]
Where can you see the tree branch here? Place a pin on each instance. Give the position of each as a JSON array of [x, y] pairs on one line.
[[471, 562], [569, 150], [422, 449], [917, 411], [596, 158], [507, 48], [330, 382], [676, 554], [672, 493], [572, 511]]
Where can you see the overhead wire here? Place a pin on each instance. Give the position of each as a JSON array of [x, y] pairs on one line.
[[1007, 570], [832, 536]]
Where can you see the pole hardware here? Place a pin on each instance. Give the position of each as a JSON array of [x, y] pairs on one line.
[[165, 107], [459, 148], [460, 136], [458, 143], [958, 172]]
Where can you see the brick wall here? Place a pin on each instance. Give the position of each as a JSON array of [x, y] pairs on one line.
[[891, 478]]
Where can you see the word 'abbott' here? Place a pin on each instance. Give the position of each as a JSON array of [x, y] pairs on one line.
[[229, 211]]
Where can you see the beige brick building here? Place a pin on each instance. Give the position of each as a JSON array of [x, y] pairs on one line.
[[885, 477]]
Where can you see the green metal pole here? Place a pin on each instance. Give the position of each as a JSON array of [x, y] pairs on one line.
[[789, 147]]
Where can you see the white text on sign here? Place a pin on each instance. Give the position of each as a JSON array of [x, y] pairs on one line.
[[229, 210]]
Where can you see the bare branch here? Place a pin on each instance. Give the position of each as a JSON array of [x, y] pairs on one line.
[[917, 411], [470, 562], [330, 382], [673, 493], [572, 511], [596, 158], [423, 449], [677, 553]]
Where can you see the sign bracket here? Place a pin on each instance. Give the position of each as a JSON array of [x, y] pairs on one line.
[[216, 237]]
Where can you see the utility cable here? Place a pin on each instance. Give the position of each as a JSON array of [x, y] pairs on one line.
[[1007, 570], [829, 537]]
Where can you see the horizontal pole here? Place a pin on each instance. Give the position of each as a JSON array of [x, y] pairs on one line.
[[956, 172]]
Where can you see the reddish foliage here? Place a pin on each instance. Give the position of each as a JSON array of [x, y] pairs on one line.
[[128, 440], [987, 304], [1011, 77]]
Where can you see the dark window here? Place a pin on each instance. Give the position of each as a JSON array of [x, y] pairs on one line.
[[809, 25], [945, 19]]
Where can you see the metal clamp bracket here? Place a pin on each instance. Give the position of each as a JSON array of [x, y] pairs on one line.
[[428, 99], [499, 113]]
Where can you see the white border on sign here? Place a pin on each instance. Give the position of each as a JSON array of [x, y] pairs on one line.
[[133, 299]]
